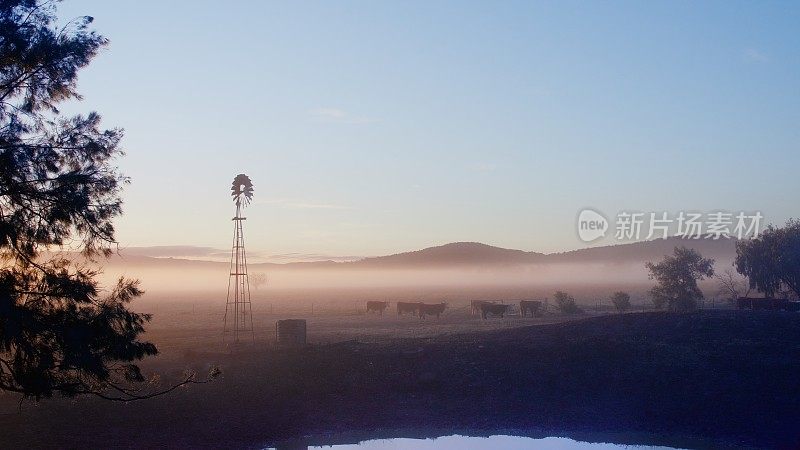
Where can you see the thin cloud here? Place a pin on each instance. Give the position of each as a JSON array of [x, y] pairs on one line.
[[173, 251], [181, 251], [310, 257], [752, 55], [295, 204], [483, 167], [336, 115]]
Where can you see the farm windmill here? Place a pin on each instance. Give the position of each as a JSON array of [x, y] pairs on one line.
[[238, 305]]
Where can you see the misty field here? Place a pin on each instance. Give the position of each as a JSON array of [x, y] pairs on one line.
[[192, 325], [632, 378]]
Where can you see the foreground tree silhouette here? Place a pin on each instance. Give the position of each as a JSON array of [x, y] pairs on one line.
[[59, 190], [771, 261], [676, 279]]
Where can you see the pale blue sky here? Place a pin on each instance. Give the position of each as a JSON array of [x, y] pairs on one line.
[[376, 127]]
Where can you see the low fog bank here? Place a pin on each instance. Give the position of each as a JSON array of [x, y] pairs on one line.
[[204, 278], [458, 271], [588, 283]]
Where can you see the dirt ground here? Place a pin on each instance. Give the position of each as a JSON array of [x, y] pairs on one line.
[[710, 379]]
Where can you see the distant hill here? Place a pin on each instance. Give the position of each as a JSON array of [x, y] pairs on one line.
[[460, 254], [454, 254], [477, 254], [721, 249]]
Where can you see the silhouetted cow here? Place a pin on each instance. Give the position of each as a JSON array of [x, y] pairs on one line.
[[377, 307], [532, 306], [475, 306], [493, 309], [432, 310], [407, 307]]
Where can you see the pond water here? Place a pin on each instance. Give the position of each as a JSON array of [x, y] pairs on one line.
[[480, 443]]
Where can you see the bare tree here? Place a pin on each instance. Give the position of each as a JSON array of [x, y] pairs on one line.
[[732, 285]]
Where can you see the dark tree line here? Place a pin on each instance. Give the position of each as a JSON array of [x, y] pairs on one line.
[[770, 262]]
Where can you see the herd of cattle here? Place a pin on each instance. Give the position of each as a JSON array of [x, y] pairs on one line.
[[534, 308]]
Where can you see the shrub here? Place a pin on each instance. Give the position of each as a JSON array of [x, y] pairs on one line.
[[566, 303], [621, 301]]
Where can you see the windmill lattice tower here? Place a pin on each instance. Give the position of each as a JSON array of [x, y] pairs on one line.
[[238, 319]]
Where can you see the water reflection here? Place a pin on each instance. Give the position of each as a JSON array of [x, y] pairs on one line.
[[480, 443]]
